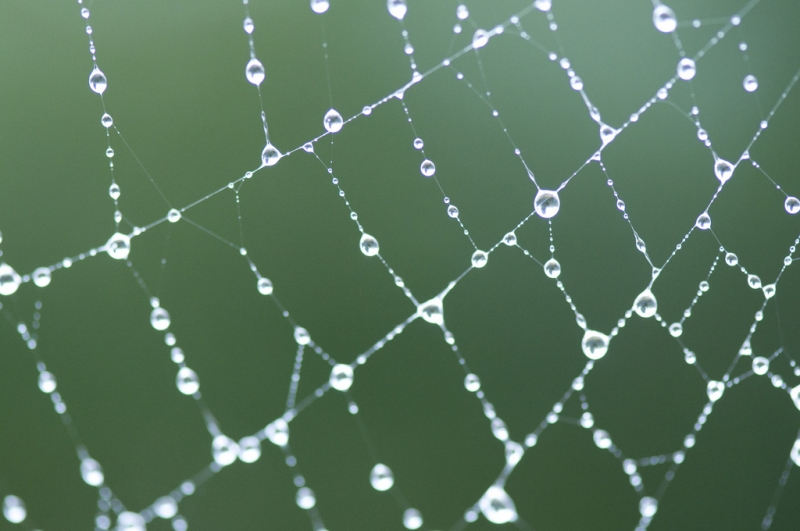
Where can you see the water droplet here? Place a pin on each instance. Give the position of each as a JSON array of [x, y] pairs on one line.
[[165, 507], [602, 439], [543, 5], [552, 268], [750, 83], [301, 336], [47, 382], [14, 509], [497, 506], [109, 152], [480, 38], [264, 286], [320, 6], [92, 472], [106, 120], [254, 71], [546, 203], [270, 156], [277, 432], [174, 215], [702, 135], [640, 244], [462, 12], [514, 452], [607, 133], [510, 239], [676, 329], [41, 276], [753, 281], [118, 246], [159, 318], [249, 26], [795, 453], [224, 450], [664, 19], [249, 449], [369, 245], [428, 168], [731, 259], [128, 521], [648, 506], [479, 259], [431, 311], [703, 221], [760, 365], [84, 12], [187, 381], [792, 205], [176, 355], [397, 8], [723, 170], [621, 205], [412, 519], [341, 377], [714, 390], [686, 68], [332, 121], [645, 304], [576, 83], [418, 143], [97, 81], [381, 477], [114, 191], [452, 211], [769, 291], [594, 344], [472, 383]]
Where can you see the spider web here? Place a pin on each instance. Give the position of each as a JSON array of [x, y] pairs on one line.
[[378, 308]]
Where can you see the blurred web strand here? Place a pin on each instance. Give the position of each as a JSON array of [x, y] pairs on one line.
[[495, 505]]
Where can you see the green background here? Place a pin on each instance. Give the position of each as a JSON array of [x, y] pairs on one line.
[[178, 94]]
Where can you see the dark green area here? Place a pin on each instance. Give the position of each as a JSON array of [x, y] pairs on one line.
[[178, 93]]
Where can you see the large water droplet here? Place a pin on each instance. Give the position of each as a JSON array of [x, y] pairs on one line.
[[675, 329], [249, 449], [703, 221], [97, 81], [332, 121], [664, 19], [187, 381], [795, 453], [510, 239], [552, 268], [254, 71], [118, 246], [769, 291], [607, 133], [381, 477], [248, 25], [452, 211], [106, 120], [479, 259], [731, 259], [277, 432], [723, 170], [497, 506], [397, 8], [648, 506], [114, 191], [760, 365], [546, 203], [369, 245], [753, 281], [92, 472], [594, 344], [320, 6], [480, 38], [41, 276], [795, 394], [128, 521], [165, 507], [686, 68], [792, 205], [270, 156], [341, 377], [174, 215], [640, 244], [301, 336], [431, 311], [750, 83], [224, 450], [499, 428], [472, 383], [714, 390], [601, 439], [159, 318], [47, 382], [412, 519], [264, 286], [14, 509], [305, 498], [645, 304], [427, 168]]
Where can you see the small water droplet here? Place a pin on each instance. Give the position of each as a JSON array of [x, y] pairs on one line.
[[341, 377], [92, 472], [397, 8], [159, 318], [254, 71], [480, 38], [277, 432], [14, 509], [686, 69], [187, 381], [381, 477], [676, 329], [645, 304], [106, 120], [418, 143], [576, 83], [648, 506], [431, 311], [546, 203], [664, 19], [320, 6], [333, 121], [301, 336], [714, 390], [97, 81], [472, 383], [264, 286], [792, 205], [412, 519], [750, 83], [510, 239], [270, 156]]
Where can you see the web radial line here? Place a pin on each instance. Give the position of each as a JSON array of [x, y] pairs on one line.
[[139, 162], [295, 380], [766, 522], [220, 238]]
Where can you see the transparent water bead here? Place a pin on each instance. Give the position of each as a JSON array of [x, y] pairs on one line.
[[397, 8], [664, 19], [114, 191], [472, 383], [431, 311], [418, 143], [452, 211], [14, 509], [703, 221], [686, 69], [264, 286], [254, 71], [412, 519], [760, 365], [480, 38], [47, 382], [594, 344], [306, 499], [497, 506], [174, 215], [510, 239], [645, 304], [97, 81], [128, 521], [499, 428], [118, 246], [106, 120], [723, 170], [514, 452], [479, 259], [270, 155], [753, 281], [92, 472], [341, 377], [381, 477], [648, 506], [750, 83], [301, 336], [369, 245], [714, 390], [109, 153], [249, 449], [427, 168], [731, 259], [552, 268], [769, 291], [319, 6], [187, 381], [607, 133], [795, 394], [165, 507], [224, 450], [602, 439], [640, 245], [9, 279], [41, 276], [248, 25], [159, 318], [277, 432], [676, 329], [333, 121], [546, 203], [792, 205], [795, 453], [576, 83]]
